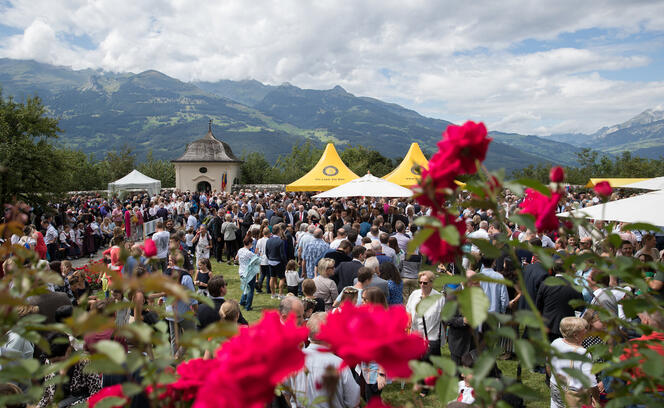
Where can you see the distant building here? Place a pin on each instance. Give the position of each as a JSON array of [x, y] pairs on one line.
[[207, 164]]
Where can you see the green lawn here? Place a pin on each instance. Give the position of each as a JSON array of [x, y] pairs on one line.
[[393, 394]]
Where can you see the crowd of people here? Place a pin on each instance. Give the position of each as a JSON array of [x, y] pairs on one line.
[[312, 255]]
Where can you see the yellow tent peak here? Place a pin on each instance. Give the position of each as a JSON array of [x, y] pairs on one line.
[[615, 182], [406, 174], [329, 172]]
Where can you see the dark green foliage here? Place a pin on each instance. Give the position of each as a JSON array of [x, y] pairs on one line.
[[302, 158], [255, 169], [591, 164], [360, 160], [29, 163], [162, 170]]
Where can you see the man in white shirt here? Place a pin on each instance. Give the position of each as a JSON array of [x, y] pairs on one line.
[[402, 238], [191, 220], [265, 266], [307, 383], [51, 240], [341, 235], [161, 240]]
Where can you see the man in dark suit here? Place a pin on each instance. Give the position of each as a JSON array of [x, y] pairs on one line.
[[346, 272], [553, 302], [289, 216], [207, 315], [301, 215], [533, 276]]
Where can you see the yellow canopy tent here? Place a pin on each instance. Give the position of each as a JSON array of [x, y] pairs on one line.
[[329, 172], [405, 174], [614, 182]]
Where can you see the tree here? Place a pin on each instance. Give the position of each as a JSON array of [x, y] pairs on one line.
[[301, 159], [117, 164], [255, 169], [360, 160], [30, 166], [162, 170], [82, 173]]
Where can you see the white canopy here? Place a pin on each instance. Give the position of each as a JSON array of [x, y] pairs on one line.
[[650, 184], [367, 186], [135, 181], [642, 208]]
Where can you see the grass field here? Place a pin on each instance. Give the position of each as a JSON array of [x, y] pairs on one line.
[[393, 394]]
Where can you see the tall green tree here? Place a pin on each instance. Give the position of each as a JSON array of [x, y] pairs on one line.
[[83, 172], [29, 164], [255, 169], [362, 160], [117, 164], [301, 159], [162, 170]]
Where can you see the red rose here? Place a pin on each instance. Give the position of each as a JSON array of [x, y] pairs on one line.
[[192, 376], [372, 333], [557, 174], [603, 189], [458, 151], [112, 391], [439, 250], [543, 208], [465, 144], [252, 363]]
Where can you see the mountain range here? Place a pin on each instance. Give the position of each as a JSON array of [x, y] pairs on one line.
[[100, 111]]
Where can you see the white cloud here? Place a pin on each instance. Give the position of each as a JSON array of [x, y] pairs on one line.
[[446, 59]]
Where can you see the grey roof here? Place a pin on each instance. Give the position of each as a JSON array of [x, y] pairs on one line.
[[208, 149]]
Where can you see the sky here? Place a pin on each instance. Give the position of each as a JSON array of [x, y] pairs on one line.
[[531, 67]]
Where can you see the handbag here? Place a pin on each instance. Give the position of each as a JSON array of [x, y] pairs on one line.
[[581, 397]]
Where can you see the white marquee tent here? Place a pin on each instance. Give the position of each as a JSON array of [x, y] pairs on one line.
[[642, 208], [650, 184], [135, 181], [367, 186]]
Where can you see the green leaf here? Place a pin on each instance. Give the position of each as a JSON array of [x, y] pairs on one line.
[[131, 389], [526, 353], [474, 305], [421, 370], [486, 248], [524, 392], [535, 185], [504, 331], [427, 220], [447, 388], [444, 363], [110, 402], [640, 226], [31, 365], [450, 279], [425, 304], [653, 364], [483, 366], [524, 219], [113, 350], [448, 310], [554, 281], [450, 234], [419, 238]]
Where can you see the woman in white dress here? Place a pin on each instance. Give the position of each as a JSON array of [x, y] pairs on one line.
[[203, 243]]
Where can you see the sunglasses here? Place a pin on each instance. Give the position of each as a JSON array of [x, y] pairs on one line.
[[423, 283], [350, 290]]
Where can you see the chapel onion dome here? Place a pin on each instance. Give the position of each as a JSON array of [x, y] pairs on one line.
[[208, 149]]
